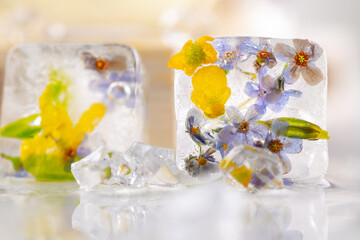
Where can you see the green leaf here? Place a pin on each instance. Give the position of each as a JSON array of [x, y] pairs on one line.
[[15, 161], [21, 128], [226, 72], [48, 168], [301, 129]]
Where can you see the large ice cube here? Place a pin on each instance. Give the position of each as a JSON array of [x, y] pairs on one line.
[[110, 74], [239, 85]]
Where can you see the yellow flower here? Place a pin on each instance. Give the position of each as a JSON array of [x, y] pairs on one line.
[[194, 55], [210, 91], [59, 137]]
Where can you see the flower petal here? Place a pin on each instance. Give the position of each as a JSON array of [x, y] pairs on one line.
[[280, 104], [284, 52], [270, 61], [292, 145], [234, 115], [293, 93], [285, 162], [195, 117], [317, 51], [268, 82], [254, 113], [291, 73], [259, 130], [274, 96], [252, 89], [249, 47], [226, 134], [300, 44], [312, 74]]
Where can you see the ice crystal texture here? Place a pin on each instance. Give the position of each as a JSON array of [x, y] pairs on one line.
[[253, 168], [142, 165], [283, 77], [110, 74]]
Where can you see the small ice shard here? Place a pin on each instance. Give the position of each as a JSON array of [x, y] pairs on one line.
[[142, 165], [156, 165], [252, 168], [91, 170]]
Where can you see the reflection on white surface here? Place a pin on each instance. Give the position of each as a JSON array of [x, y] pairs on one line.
[[209, 212], [33, 210]]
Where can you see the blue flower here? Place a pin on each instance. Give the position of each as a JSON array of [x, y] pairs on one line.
[[193, 119], [281, 145], [272, 92], [243, 129], [229, 55], [204, 163], [262, 51]]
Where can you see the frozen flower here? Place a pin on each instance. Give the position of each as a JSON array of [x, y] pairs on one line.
[[301, 60], [193, 119], [100, 64], [202, 164], [210, 91], [262, 51], [194, 55], [274, 94], [229, 55], [281, 145], [242, 129]]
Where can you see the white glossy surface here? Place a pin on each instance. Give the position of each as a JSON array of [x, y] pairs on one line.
[[33, 210]]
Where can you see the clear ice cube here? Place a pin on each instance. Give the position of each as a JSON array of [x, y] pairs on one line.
[[285, 77], [142, 165], [110, 74], [252, 168], [156, 165]]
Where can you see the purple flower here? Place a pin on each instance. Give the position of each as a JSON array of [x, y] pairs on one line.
[[300, 60], [281, 145], [193, 119], [229, 54], [242, 129], [204, 163], [273, 92], [262, 51]]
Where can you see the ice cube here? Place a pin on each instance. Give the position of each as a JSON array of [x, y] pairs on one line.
[[91, 170], [242, 83], [252, 168], [156, 165], [110, 74], [142, 165]]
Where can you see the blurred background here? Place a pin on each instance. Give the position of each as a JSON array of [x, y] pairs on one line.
[[158, 28]]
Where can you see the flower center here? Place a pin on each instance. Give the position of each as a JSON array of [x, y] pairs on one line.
[[195, 55], [224, 147], [70, 152], [275, 146], [244, 127], [194, 130], [229, 55], [100, 64], [301, 59], [263, 54], [202, 161]]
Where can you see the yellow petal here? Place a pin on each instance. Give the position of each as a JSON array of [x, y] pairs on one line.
[[210, 91], [86, 124], [242, 175], [194, 55]]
